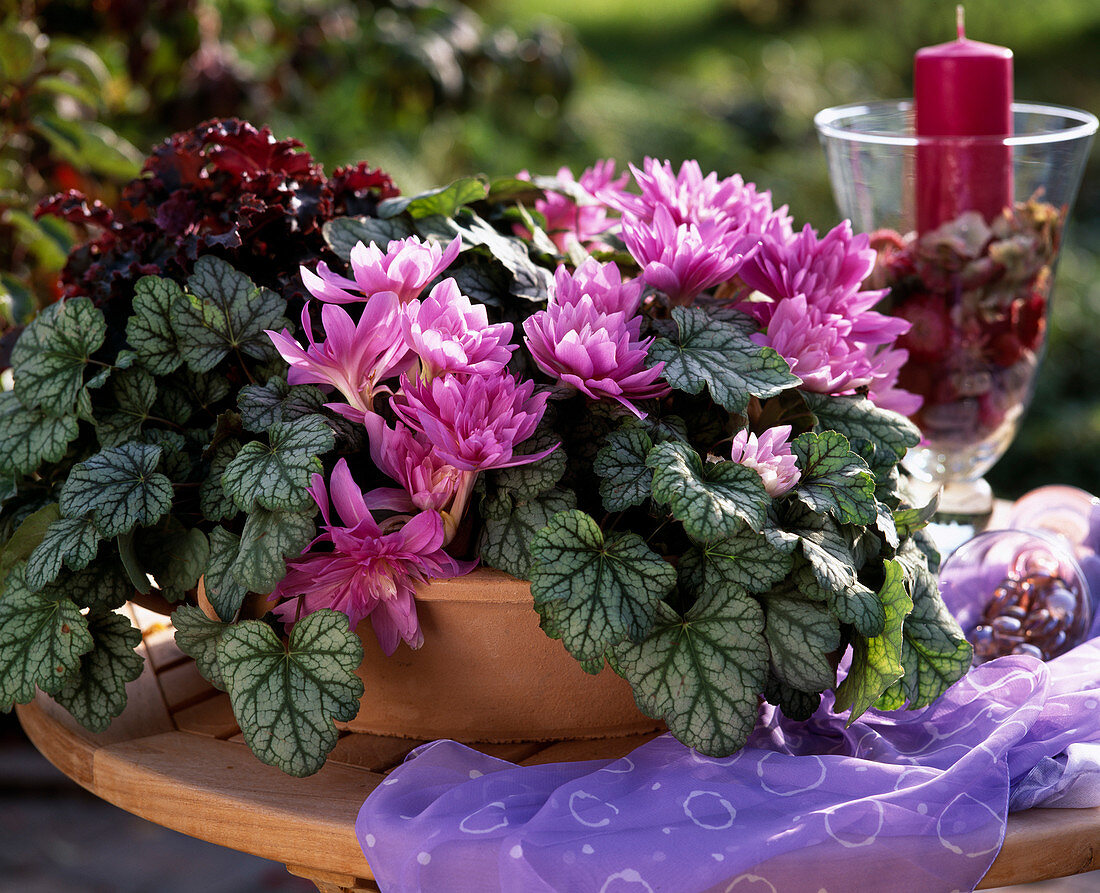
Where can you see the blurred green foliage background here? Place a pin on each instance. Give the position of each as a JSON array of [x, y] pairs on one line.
[[432, 89]]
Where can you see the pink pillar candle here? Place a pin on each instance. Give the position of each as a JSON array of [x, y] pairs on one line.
[[962, 89]]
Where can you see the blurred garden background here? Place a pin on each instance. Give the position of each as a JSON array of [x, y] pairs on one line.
[[430, 90]]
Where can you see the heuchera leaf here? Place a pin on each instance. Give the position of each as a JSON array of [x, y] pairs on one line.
[[827, 549], [96, 692], [603, 591], [276, 476], [833, 478], [857, 418], [134, 392], [261, 406], [50, 356], [535, 478], [175, 555], [800, 635], [861, 607], [268, 539], [482, 280], [701, 673], [529, 280], [934, 652], [41, 641], [795, 704], [876, 662], [344, 233], [625, 478], [174, 463], [510, 527], [719, 356], [198, 636], [215, 503], [285, 699], [102, 586], [72, 541], [29, 437], [747, 560], [711, 501], [119, 488], [149, 331], [223, 591], [224, 312]]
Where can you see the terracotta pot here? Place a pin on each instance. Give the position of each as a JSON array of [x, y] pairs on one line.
[[486, 672]]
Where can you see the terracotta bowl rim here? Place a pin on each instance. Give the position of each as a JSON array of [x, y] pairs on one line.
[[483, 585]]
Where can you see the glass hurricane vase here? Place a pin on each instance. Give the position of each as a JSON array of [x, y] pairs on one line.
[[968, 231]]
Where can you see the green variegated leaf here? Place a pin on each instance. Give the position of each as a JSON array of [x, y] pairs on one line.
[[800, 635], [223, 590], [711, 501], [51, 355], [747, 560], [884, 528], [484, 281], [41, 641], [286, 699], [224, 312], [861, 607], [701, 673], [876, 662], [827, 549], [134, 392], [96, 692], [934, 652], [102, 586], [511, 526], [175, 556], [261, 406], [30, 438], [344, 233], [174, 463], [118, 488], [268, 539], [534, 479], [834, 479], [795, 704], [215, 503], [198, 636], [184, 392], [603, 591], [720, 357], [528, 279], [72, 541], [625, 479], [149, 331], [277, 475], [857, 418]]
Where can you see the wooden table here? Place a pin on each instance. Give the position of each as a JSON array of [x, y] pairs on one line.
[[176, 757]]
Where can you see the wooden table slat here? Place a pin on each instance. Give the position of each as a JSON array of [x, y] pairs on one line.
[[219, 792], [378, 753], [212, 717]]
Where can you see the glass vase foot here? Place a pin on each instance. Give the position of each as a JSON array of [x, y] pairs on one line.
[[961, 502]]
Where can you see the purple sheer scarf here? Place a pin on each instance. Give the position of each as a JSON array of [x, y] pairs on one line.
[[899, 801]]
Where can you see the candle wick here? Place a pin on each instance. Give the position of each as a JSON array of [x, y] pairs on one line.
[[960, 21]]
